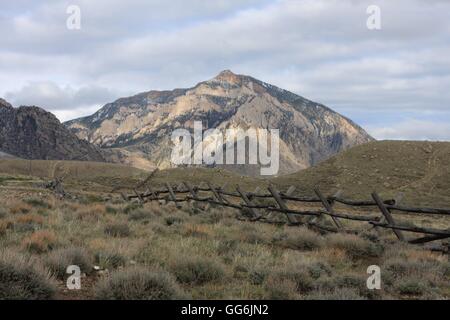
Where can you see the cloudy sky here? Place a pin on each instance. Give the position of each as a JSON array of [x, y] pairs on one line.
[[395, 82]]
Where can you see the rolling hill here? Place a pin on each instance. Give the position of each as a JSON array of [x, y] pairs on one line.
[[419, 172]]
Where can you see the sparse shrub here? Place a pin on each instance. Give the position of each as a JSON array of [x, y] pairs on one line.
[[446, 270], [3, 213], [211, 217], [301, 239], [91, 198], [301, 278], [37, 203], [111, 210], [354, 246], [258, 276], [22, 279], [253, 237], [410, 287], [58, 260], [20, 207], [284, 289], [349, 281], [253, 233], [139, 214], [131, 207], [117, 230], [40, 241], [3, 228], [430, 270], [93, 212], [225, 246], [319, 269], [197, 270], [197, 230], [171, 220], [138, 284], [109, 260]]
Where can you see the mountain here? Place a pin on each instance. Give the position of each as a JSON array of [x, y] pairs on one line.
[[33, 133], [137, 129]]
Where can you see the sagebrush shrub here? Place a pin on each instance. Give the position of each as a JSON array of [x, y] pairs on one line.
[[109, 260], [131, 207], [23, 279], [351, 281], [284, 289], [356, 247], [3, 228], [58, 260], [139, 214], [300, 239], [138, 284], [410, 287], [39, 203], [300, 277], [117, 230], [197, 270], [171, 220]]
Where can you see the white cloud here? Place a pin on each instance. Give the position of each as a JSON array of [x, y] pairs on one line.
[[65, 102], [413, 130], [320, 49]]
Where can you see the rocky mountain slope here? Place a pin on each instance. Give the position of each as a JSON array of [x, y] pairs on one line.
[[33, 133], [138, 128]]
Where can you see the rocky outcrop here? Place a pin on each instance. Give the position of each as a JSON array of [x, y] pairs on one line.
[[33, 133]]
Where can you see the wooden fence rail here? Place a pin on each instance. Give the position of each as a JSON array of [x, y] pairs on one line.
[[287, 204]]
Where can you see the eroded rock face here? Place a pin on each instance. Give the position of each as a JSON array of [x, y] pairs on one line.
[[33, 133], [140, 126]]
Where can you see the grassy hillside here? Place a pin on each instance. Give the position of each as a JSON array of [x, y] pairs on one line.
[[83, 174], [418, 170]]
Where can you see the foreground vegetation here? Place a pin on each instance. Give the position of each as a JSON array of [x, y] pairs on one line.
[[130, 251]]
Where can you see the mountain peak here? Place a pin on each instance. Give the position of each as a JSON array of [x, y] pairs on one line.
[[228, 76], [4, 103]]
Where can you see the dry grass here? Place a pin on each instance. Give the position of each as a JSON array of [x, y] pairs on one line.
[[40, 241], [151, 252], [24, 279]]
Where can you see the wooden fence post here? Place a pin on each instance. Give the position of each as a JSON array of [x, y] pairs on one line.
[[387, 214], [248, 203], [139, 196], [194, 195], [216, 195], [172, 195], [280, 202], [328, 207], [124, 197], [290, 191]]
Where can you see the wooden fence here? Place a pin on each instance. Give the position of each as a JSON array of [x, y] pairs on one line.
[[287, 204]]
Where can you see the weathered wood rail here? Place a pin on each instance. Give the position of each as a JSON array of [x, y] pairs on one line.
[[287, 204]]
